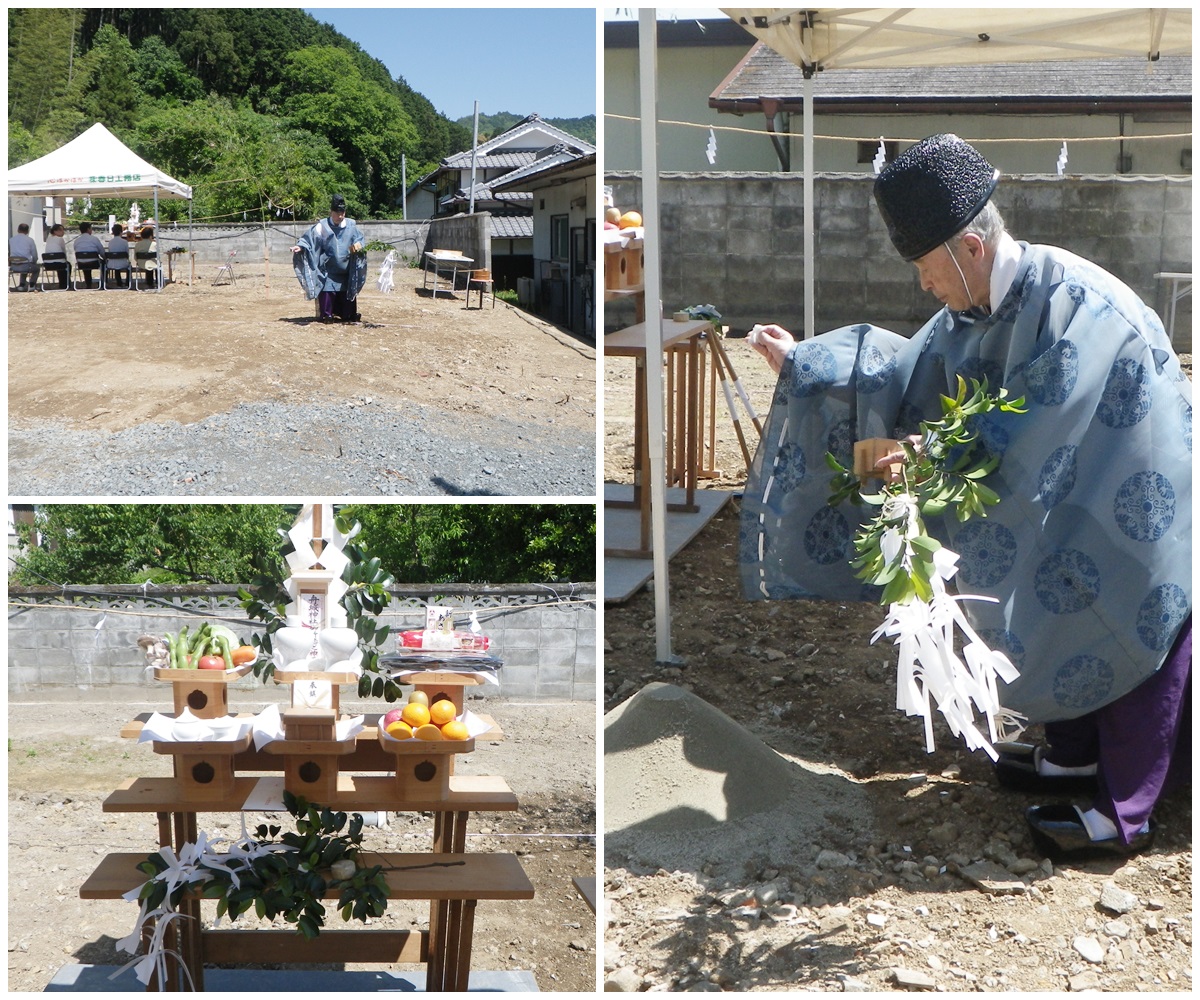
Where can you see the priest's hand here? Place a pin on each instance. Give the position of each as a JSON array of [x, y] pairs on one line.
[[773, 343]]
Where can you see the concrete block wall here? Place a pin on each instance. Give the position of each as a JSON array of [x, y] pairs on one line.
[[212, 244], [737, 241], [546, 639], [470, 235]]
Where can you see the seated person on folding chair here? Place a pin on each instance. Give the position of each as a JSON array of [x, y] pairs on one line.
[[147, 244], [22, 245], [118, 247], [85, 245], [56, 244]]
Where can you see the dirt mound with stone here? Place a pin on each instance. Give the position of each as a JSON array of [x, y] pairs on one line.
[[687, 788]]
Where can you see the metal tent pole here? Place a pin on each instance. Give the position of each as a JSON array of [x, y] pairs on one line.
[[652, 246]]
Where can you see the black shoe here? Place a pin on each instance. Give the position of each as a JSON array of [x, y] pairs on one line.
[[1059, 833], [1016, 769]]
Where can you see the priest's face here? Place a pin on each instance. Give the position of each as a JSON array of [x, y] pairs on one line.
[[958, 277]]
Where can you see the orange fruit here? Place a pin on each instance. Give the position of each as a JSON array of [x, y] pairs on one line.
[[630, 220], [243, 654], [427, 732], [455, 730], [400, 730], [441, 712], [415, 714]]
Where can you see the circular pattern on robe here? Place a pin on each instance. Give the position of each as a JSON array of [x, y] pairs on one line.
[[813, 370], [981, 369], [826, 537], [1083, 682], [1051, 377], [1066, 581], [1076, 292], [790, 468], [1145, 506], [1016, 298], [748, 544], [1057, 478], [1187, 427], [1161, 614], [986, 553], [840, 443], [874, 370], [992, 434], [1126, 397], [1004, 641]]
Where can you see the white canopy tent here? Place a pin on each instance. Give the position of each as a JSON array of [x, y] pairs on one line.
[[825, 38], [95, 164]]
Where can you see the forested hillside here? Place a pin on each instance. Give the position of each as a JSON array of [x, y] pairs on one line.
[[264, 112], [493, 125]]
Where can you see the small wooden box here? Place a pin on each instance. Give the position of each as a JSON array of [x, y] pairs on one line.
[[311, 751], [204, 770], [423, 767], [870, 451], [623, 266], [205, 693]]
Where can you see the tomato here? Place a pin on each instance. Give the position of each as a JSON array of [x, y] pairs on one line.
[[211, 663]]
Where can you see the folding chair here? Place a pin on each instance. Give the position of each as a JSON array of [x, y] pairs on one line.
[[117, 263], [89, 262], [147, 264], [481, 280], [17, 267], [227, 268], [51, 264]]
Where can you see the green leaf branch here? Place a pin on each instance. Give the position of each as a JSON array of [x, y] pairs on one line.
[[290, 881], [368, 596], [945, 471]]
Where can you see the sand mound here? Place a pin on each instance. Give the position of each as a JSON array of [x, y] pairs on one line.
[[685, 785]]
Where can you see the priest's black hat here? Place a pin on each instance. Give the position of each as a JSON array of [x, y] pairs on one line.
[[931, 191], [337, 204]]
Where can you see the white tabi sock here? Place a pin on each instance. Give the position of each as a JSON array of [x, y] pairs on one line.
[[1048, 770], [1100, 827]]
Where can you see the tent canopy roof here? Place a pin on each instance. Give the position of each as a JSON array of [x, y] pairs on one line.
[[829, 37], [95, 164]]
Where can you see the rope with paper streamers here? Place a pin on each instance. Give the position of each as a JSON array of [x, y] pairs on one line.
[[710, 149]]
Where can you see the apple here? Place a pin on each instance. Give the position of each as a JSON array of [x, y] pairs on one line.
[[612, 214], [392, 716], [211, 663]]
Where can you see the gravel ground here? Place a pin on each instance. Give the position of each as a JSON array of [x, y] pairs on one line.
[[361, 448]]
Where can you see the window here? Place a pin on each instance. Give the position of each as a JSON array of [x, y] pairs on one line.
[[559, 237], [868, 148]]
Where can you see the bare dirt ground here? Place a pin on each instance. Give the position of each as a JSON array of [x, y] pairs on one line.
[[64, 757], [880, 887], [109, 360]]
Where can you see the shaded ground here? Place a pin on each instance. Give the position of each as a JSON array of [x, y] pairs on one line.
[[882, 885], [64, 757]]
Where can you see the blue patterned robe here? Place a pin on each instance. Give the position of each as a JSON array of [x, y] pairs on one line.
[[1089, 551], [325, 264]]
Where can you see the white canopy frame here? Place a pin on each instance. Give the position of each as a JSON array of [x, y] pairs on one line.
[[96, 164], [825, 38]]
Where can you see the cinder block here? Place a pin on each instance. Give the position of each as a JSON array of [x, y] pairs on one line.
[[585, 659], [557, 638], [518, 681], [558, 690], [557, 658], [512, 639], [751, 242]]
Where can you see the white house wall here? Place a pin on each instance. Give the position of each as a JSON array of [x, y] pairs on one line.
[[557, 200], [686, 78]]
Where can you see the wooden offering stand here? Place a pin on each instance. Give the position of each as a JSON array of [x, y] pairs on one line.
[[204, 693], [869, 451]]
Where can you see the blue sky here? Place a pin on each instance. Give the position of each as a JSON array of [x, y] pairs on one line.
[[523, 60]]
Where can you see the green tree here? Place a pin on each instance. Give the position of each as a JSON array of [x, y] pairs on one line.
[[324, 91], [104, 88], [481, 543], [161, 543], [41, 60], [161, 74]]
